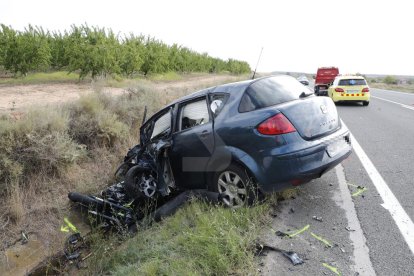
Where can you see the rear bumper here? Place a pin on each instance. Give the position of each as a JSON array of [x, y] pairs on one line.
[[337, 97], [282, 171]]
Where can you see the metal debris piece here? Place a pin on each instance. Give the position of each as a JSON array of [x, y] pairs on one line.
[[292, 256], [349, 229], [24, 238], [318, 218], [72, 246], [281, 234]]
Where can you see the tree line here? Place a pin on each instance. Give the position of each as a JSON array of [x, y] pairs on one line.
[[99, 51]]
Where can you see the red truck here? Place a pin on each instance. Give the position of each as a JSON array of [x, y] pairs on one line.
[[324, 78]]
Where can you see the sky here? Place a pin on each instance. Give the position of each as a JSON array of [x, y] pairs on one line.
[[357, 36]]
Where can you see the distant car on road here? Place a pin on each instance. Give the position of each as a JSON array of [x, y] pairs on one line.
[[303, 80], [350, 88]]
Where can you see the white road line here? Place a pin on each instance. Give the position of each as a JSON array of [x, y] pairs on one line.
[[401, 218], [362, 261], [403, 105]]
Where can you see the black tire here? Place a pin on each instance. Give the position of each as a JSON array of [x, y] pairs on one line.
[[366, 103], [85, 200], [130, 184], [235, 187]]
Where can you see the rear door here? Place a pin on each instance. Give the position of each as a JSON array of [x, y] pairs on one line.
[[193, 143]]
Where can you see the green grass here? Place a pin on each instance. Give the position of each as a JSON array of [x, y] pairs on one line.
[[37, 78], [199, 239]]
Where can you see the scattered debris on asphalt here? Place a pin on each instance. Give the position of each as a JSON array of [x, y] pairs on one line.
[[281, 234], [292, 256], [349, 229], [306, 227], [332, 268], [327, 244], [318, 218], [359, 190]]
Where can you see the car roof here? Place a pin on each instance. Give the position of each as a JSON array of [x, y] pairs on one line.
[[234, 87]]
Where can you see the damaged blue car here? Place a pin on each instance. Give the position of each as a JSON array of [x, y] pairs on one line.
[[238, 139]]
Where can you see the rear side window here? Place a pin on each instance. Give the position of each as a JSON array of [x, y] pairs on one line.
[[352, 82], [217, 102], [270, 91]]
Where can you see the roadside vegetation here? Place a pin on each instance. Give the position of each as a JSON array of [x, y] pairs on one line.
[[199, 239], [393, 83], [97, 52], [77, 147]]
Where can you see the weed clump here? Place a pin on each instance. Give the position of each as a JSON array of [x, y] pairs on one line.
[[38, 142]]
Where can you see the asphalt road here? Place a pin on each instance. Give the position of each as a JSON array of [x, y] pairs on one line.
[[378, 240], [385, 131]]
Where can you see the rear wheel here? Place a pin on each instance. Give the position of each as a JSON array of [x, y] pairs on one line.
[[235, 187], [366, 103]]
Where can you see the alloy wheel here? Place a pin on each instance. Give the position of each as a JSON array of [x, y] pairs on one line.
[[232, 189]]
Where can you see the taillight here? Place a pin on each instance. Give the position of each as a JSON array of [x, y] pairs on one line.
[[366, 89], [339, 90], [277, 124]]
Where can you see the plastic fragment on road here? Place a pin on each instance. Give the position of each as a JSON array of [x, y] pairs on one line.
[[292, 256], [317, 218], [69, 226], [328, 244], [306, 227], [349, 229], [332, 268], [360, 189]]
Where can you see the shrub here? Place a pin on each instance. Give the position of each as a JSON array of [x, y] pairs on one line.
[[38, 142], [390, 80], [93, 123]]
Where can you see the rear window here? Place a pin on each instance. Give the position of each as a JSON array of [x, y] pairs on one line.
[[352, 82], [271, 91]]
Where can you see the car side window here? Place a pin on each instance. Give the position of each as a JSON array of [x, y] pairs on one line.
[[194, 114], [162, 125], [217, 102]]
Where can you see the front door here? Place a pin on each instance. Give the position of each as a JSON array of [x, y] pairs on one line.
[[193, 144]]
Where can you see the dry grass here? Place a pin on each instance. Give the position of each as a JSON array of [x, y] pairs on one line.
[[77, 147], [395, 87]]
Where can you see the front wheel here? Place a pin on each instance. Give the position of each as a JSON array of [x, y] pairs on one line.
[[235, 187], [140, 183], [366, 103]]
